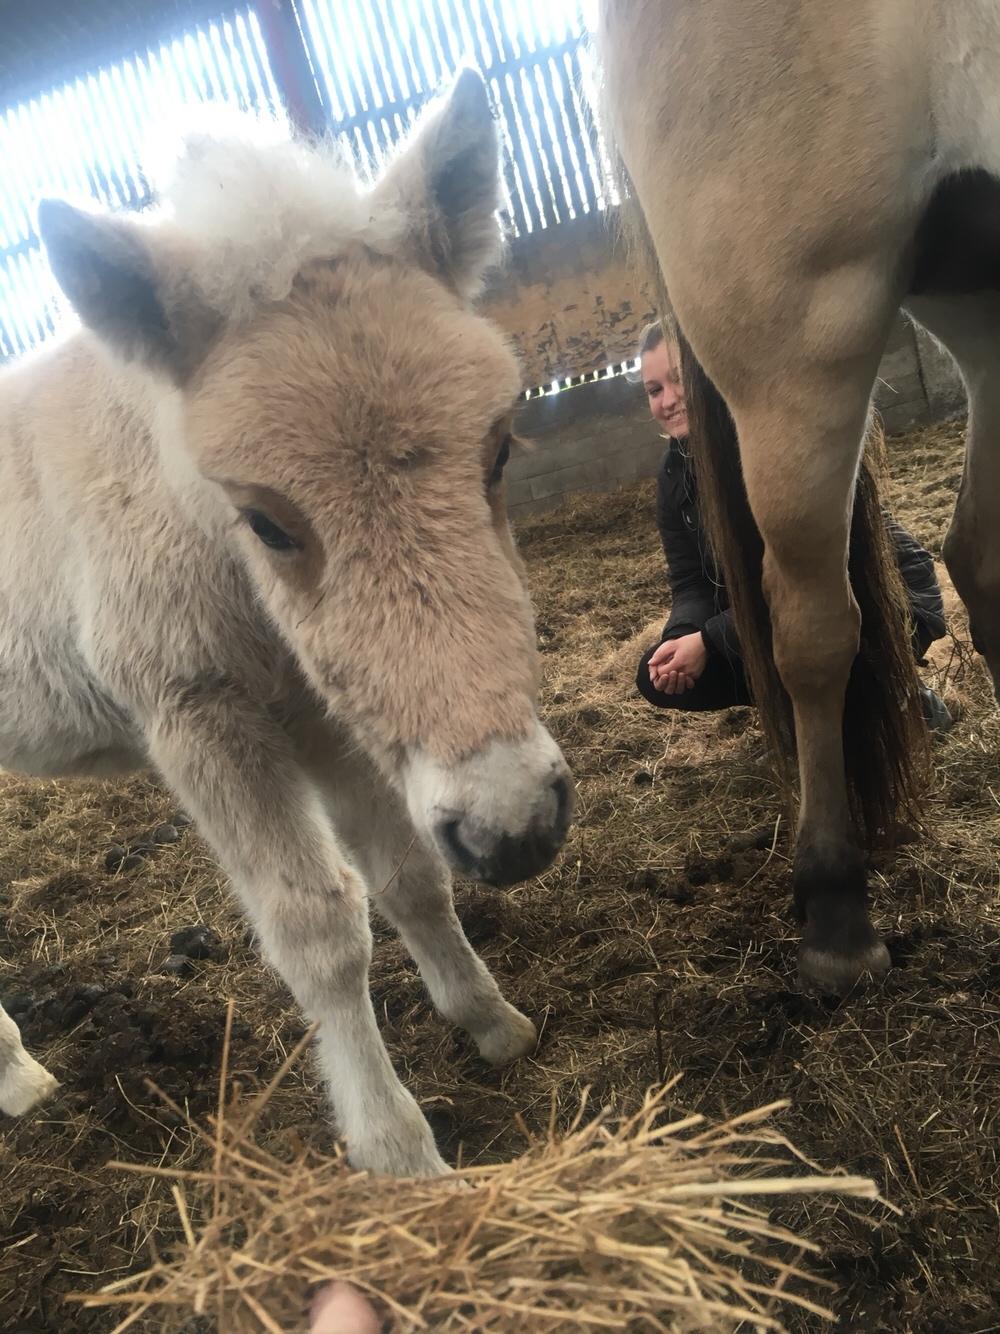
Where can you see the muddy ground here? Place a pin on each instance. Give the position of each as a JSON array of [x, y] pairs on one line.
[[662, 941]]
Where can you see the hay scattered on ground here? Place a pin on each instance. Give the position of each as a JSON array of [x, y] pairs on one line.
[[662, 941], [651, 1219]]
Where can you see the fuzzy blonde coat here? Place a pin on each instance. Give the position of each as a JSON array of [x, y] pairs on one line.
[[257, 540]]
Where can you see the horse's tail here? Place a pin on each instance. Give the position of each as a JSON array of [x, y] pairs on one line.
[[886, 745]]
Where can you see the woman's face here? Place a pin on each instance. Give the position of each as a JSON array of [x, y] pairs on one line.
[[661, 378]]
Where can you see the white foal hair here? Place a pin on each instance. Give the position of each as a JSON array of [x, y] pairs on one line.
[[269, 201], [258, 202]]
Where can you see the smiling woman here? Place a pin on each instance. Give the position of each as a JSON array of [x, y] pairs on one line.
[[660, 374], [698, 666]]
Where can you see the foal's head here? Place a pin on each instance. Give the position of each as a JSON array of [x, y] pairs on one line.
[[353, 415]]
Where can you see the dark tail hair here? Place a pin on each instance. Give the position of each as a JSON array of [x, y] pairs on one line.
[[886, 744]]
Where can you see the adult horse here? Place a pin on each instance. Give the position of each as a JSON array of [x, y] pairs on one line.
[[803, 171], [254, 535]]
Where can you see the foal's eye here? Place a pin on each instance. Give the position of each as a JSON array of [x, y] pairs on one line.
[[501, 460], [269, 533]]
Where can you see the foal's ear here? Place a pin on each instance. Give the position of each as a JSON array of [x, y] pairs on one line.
[[142, 304], [447, 181]]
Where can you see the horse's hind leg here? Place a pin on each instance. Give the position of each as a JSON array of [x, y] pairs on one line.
[[23, 1082], [969, 326]]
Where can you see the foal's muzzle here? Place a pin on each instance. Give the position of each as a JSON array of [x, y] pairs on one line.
[[476, 851], [498, 816]]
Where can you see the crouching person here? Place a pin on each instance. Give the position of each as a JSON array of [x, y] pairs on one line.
[[697, 665]]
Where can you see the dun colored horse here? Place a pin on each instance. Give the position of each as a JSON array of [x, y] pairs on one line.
[[254, 536], [804, 170]]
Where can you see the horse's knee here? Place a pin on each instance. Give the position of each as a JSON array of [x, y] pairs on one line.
[[319, 939], [815, 631]]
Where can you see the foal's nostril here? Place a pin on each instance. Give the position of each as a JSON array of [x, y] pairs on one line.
[[461, 858], [564, 805]]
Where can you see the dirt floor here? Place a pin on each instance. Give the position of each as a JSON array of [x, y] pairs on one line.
[[662, 941]]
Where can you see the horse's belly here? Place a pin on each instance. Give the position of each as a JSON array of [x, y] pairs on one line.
[[965, 83]]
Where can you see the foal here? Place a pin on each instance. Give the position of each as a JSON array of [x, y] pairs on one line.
[[255, 537]]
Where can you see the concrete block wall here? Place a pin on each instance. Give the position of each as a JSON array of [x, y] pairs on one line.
[[591, 438], [600, 435]]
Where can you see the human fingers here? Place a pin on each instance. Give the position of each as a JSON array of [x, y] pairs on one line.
[[663, 653], [339, 1308]]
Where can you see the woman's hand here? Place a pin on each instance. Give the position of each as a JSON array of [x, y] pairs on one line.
[[677, 664]]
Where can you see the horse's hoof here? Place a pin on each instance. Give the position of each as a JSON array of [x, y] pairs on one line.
[[825, 972], [513, 1035], [396, 1141], [24, 1085], [399, 1159]]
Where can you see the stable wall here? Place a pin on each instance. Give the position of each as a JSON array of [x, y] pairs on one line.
[[599, 435]]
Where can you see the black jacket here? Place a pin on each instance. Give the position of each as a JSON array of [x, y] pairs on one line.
[[698, 596]]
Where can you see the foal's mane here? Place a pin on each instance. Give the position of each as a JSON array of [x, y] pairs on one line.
[[252, 203]]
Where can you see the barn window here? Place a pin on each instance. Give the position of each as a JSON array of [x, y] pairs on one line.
[[74, 122], [84, 138]]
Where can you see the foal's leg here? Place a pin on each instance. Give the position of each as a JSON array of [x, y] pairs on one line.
[[23, 1082], [969, 326], [411, 887], [417, 901], [237, 774]]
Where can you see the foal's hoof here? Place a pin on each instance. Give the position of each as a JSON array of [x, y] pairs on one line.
[[512, 1035], [827, 972], [24, 1085], [399, 1155], [390, 1137]]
